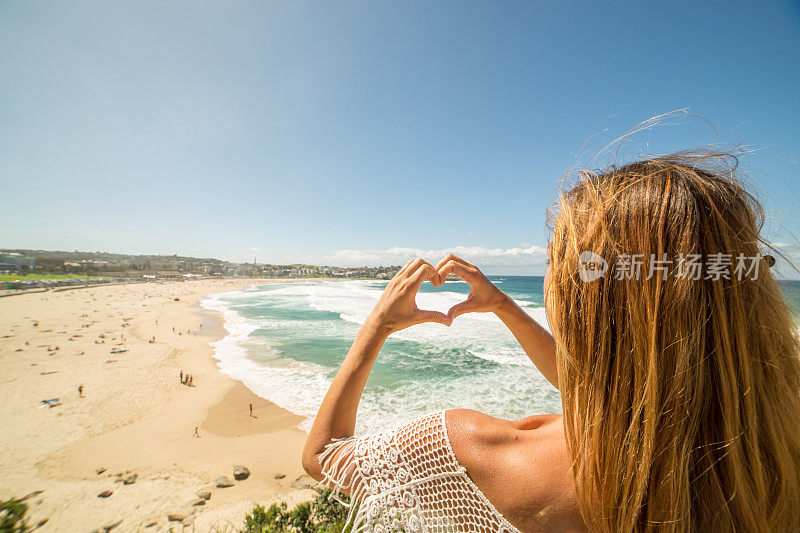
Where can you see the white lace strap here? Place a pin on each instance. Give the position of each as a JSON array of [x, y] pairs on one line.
[[407, 479]]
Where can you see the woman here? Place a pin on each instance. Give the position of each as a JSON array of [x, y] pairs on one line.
[[679, 378]]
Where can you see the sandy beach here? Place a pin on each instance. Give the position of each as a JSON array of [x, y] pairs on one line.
[[133, 432]]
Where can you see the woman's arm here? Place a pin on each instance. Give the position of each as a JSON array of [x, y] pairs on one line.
[[538, 343], [485, 297], [395, 310]]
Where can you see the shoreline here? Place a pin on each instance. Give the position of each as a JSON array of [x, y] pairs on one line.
[[136, 417]]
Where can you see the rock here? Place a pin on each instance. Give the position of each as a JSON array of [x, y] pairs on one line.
[[130, 480], [279, 475], [205, 494], [223, 482], [304, 482], [179, 515], [188, 521], [152, 523], [105, 494], [100, 470], [199, 501], [42, 522], [240, 472], [31, 495], [111, 525]]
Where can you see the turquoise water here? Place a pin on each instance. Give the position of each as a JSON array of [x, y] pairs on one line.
[[287, 341], [791, 291]]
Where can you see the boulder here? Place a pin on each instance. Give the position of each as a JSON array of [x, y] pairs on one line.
[[100, 470], [205, 494], [279, 475], [111, 525], [223, 482], [240, 472], [197, 502], [179, 515], [130, 480], [303, 482], [105, 494]]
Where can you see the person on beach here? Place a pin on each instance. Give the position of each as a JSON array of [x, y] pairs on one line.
[[196, 432], [181, 376], [680, 392], [80, 391]]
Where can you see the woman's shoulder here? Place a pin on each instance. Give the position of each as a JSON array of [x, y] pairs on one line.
[[522, 466], [476, 429]]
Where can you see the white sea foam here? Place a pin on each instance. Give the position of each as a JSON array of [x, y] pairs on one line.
[[293, 385], [261, 363]]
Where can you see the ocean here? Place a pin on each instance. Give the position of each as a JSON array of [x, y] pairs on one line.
[[287, 340]]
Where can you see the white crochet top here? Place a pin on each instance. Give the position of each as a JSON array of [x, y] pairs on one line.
[[408, 479]]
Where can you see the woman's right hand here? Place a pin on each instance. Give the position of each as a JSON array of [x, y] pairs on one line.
[[484, 296], [396, 308]]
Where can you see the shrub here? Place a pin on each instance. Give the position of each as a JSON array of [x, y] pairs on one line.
[[322, 515], [12, 517]]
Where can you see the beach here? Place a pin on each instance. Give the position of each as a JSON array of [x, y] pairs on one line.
[[288, 340], [126, 455]]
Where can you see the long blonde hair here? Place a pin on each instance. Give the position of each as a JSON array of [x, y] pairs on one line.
[[681, 396]]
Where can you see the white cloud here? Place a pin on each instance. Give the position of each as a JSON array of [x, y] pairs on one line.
[[791, 251], [255, 249], [520, 256]]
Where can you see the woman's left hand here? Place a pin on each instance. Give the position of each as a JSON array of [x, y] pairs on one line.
[[397, 309]]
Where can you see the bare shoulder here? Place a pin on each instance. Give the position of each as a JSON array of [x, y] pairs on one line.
[[468, 425], [522, 466], [469, 430]]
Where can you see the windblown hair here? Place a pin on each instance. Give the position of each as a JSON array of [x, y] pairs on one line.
[[681, 397]]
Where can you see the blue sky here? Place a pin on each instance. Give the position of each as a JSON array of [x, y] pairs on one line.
[[365, 132]]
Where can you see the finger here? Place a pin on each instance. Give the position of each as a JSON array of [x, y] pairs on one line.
[[433, 316], [425, 271], [447, 258], [402, 270], [451, 257], [461, 308], [459, 269], [413, 266]]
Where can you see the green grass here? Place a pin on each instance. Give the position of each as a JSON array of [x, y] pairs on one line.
[[322, 515], [12, 517], [37, 277]]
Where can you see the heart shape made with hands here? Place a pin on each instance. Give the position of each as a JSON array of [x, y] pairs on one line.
[[483, 296], [397, 309]]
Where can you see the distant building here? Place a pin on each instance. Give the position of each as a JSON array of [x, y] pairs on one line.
[[15, 261]]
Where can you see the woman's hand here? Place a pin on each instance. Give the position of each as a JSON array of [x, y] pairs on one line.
[[484, 296], [397, 309]]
